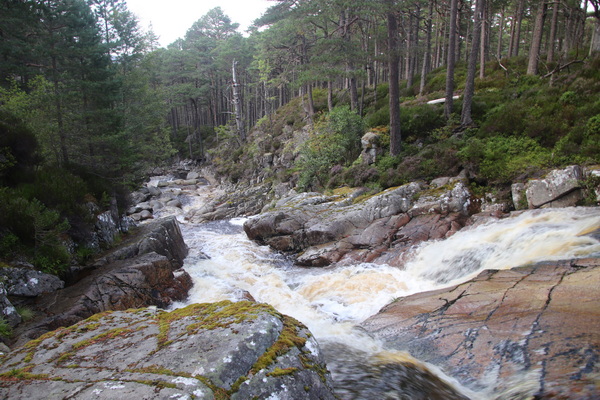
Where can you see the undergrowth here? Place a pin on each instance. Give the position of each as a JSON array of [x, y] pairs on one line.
[[523, 124]]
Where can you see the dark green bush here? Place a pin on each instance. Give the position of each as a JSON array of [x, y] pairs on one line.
[[337, 142], [28, 223], [359, 175], [388, 162], [501, 159], [381, 117], [419, 121], [18, 149], [58, 189]]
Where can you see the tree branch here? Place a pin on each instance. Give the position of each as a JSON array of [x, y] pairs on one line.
[[561, 67]]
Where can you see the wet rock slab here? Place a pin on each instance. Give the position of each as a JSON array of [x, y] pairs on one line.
[[222, 350], [529, 331]]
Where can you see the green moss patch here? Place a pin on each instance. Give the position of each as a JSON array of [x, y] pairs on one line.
[[209, 316], [288, 338]]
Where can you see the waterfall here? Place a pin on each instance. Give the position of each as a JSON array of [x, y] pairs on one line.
[[331, 301], [532, 236]]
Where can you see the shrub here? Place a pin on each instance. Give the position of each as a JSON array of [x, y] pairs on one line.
[[388, 162], [18, 149], [57, 188], [500, 159], [26, 313], [36, 227], [418, 121], [9, 243], [359, 175], [337, 142], [5, 328], [378, 118]]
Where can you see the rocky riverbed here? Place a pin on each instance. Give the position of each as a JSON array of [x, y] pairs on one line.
[[500, 333]]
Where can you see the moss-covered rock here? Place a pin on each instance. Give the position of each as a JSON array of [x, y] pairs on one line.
[[221, 350]]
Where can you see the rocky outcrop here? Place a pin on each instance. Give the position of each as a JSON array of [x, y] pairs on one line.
[[521, 333], [352, 228], [224, 201], [205, 351], [371, 147], [237, 200], [27, 282], [592, 177], [144, 271], [162, 237], [22, 281], [150, 279], [559, 188], [7, 310], [166, 195]]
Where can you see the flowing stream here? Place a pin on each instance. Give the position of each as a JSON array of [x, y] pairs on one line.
[[332, 301]]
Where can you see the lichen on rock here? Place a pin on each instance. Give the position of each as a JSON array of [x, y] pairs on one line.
[[220, 350]]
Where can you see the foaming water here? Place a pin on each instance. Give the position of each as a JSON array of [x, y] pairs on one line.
[[328, 301], [331, 301], [533, 236]]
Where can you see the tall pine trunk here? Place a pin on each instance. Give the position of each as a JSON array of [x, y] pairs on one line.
[[595, 43], [466, 118], [237, 105], [427, 56], [553, 27], [394, 86], [451, 59], [536, 40], [500, 34], [515, 37], [483, 45]]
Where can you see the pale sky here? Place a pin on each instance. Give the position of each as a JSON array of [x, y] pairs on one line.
[[172, 18]]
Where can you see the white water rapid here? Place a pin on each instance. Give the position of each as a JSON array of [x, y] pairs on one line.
[[331, 301]]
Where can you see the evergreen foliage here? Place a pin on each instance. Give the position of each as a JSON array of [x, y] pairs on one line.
[[88, 102]]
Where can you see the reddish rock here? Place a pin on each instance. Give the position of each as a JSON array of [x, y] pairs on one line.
[[323, 230], [529, 331]]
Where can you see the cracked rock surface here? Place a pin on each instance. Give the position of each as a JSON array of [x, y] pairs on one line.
[[323, 230], [528, 331], [221, 350]]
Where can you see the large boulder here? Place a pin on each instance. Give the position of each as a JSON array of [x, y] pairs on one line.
[[106, 228], [560, 188], [529, 332], [162, 236], [23, 282], [28, 282], [371, 147], [205, 351], [144, 270]]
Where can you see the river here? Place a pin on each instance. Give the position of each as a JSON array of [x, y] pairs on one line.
[[332, 301]]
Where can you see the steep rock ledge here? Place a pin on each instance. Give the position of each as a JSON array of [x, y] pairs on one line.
[[221, 350], [144, 270], [529, 331]]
